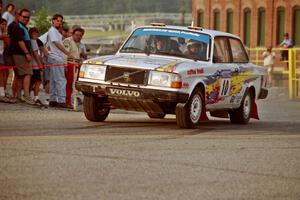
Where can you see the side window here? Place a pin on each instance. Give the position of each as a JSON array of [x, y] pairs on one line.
[[239, 54], [221, 50]]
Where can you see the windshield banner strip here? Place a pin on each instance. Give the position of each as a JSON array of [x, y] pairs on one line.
[[173, 33]]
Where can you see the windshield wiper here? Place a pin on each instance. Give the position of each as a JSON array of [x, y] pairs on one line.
[[131, 49]]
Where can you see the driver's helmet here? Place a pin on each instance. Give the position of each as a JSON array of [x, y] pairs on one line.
[[193, 43]]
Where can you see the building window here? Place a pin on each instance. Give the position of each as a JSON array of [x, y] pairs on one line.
[[296, 26], [280, 24], [200, 17], [229, 20], [247, 27], [216, 19], [261, 31]]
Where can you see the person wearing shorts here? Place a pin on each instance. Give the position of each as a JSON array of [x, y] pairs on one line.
[[21, 45]]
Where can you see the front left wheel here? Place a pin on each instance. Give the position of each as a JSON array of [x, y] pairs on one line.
[[94, 108]]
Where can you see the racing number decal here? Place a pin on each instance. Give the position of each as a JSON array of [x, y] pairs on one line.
[[225, 87]]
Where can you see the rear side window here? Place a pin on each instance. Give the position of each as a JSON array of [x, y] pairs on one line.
[[221, 50], [239, 54]]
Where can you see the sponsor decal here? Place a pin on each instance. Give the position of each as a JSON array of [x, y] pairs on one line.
[[185, 85], [232, 99], [171, 67], [124, 92], [195, 72]]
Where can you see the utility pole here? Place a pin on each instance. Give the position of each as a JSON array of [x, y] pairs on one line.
[[182, 11]]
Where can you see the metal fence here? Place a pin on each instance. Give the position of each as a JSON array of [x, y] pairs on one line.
[[289, 68]]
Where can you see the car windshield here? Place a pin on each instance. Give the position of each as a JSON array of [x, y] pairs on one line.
[[168, 42]]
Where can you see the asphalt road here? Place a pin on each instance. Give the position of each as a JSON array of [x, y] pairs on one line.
[[57, 154]]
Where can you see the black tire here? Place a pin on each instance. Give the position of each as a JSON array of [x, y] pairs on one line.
[[94, 109], [242, 114], [188, 115], [157, 115]]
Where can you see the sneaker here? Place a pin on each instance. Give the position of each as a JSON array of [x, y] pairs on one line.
[[46, 102], [28, 100], [38, 102], [20, 99], [64, 105], [5, 99], [52, 103]]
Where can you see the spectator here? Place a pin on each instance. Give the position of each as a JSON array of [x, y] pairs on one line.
[[65, 31], [8, 14], [83, 54], [3, 72], [56, 57], [36, 65], [21, 50], [72, 44], [45, 50], [269, 62], [8, 59], [286, 43]]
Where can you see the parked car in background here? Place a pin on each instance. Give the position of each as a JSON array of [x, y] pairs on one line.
[[186, 71]]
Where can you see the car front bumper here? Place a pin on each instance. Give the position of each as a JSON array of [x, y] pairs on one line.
[[122, 92]]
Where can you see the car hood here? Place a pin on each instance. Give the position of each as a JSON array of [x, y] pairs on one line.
[[150, 62]]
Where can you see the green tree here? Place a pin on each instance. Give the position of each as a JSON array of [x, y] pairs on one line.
[[41, 21]]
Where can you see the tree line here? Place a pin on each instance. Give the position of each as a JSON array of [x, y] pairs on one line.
[[80, 7]]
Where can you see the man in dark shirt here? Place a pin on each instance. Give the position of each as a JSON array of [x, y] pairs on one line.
[[21, 50], [8, 59]]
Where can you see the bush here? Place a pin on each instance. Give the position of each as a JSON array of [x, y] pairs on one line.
[[41, 20]]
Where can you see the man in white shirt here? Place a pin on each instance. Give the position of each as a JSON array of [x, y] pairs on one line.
[[72, 44], [56, 58], [8, 14]]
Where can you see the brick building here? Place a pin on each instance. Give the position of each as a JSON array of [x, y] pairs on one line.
[[257, 22]]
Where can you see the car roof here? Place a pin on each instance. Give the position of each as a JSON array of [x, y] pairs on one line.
[[212, 33]]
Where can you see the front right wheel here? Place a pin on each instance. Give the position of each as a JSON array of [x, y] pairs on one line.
[[94, 108], [188, 115]]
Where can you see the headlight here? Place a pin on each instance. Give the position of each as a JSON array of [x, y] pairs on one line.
[[164, 79], [92, 71]]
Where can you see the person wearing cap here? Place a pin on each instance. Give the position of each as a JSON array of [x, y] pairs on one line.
[[161, 43], [286, 43], [193, 50]]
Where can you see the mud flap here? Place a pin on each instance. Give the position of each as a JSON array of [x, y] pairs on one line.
[[203, 116], [254, 113]]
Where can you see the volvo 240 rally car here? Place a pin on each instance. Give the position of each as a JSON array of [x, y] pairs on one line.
[[186, 71]]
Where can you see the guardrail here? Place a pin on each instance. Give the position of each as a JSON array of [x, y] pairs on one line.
[[98, 21], [290, 67]]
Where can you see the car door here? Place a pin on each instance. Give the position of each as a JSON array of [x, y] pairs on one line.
[[218, 93], [243, 71]]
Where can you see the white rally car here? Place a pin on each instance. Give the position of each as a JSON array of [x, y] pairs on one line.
[[186, 71]]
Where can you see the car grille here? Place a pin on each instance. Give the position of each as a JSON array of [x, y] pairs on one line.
[[126, 75]]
